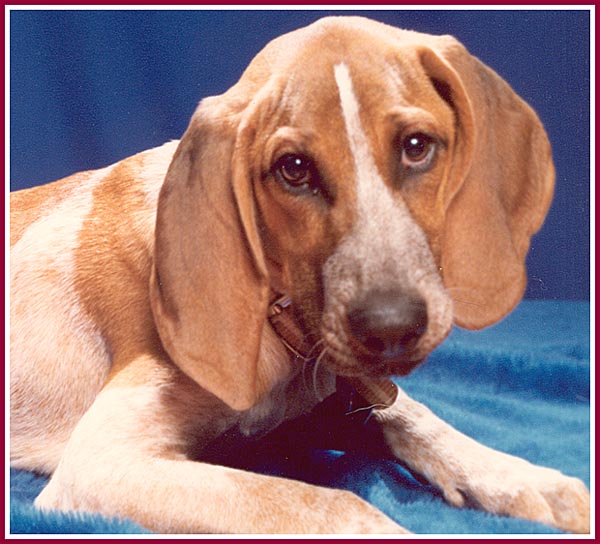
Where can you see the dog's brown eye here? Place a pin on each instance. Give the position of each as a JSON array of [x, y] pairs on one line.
[[294, 169], [296, 172], [417, 150]]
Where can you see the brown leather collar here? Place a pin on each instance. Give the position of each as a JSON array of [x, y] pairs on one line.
[[378, 393]]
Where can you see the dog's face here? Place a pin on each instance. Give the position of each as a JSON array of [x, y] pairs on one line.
[[351, 161], [385, 180]]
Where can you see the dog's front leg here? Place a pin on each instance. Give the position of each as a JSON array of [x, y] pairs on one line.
[[126, 458], [472, 475]]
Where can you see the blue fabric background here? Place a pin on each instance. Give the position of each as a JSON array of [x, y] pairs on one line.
[[88, 88], [522, 386]]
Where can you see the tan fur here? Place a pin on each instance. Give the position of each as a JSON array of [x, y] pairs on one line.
[[139, 292]]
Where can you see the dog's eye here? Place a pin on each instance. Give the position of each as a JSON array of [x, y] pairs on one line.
[[294, 169], [417, 150], [296, 172]]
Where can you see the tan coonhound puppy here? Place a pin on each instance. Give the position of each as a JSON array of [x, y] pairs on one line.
[[386, 181]]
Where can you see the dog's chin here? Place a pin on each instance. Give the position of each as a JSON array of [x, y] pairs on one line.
[[347, 364]]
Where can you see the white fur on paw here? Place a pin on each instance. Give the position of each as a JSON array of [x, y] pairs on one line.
[[507, 485]]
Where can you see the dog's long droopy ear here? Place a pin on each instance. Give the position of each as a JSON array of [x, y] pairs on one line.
[[209, 290], [499, 189]]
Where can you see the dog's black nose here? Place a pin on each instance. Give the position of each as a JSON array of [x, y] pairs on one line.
[[386, 324]]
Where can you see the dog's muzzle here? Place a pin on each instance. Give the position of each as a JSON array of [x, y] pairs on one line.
[[379, 393]]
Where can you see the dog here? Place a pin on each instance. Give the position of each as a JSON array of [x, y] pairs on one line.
[[372, 185]]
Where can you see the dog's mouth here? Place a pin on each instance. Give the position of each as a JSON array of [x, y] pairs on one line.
[[366, 373], [354, 359], [345, 362]]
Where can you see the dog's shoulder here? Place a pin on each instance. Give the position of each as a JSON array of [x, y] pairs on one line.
[[120, 188]]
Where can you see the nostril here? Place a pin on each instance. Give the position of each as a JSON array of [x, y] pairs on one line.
[[387, 324]]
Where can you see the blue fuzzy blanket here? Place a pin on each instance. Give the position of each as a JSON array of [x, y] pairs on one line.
[[522, 386]]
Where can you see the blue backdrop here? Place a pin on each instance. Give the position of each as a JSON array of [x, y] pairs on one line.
[[88, 88]]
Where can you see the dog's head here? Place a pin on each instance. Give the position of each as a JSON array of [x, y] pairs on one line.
[[386, 180]]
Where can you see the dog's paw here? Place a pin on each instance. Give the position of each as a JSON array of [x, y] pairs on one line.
[[507, 485], [473, 475]]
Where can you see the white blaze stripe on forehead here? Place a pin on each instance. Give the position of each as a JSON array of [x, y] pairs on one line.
[[365, 168]]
